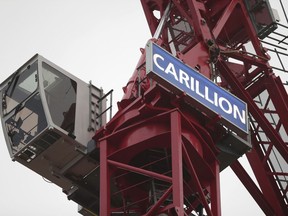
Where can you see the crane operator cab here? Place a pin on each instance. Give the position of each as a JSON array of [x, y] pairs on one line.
[[48, 117]]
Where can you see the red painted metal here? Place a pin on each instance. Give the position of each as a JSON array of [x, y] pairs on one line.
[[143, 146], [158, 155], [252, 188]]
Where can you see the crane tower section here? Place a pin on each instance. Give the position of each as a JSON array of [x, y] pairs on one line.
[[196, 146], [208, 37]]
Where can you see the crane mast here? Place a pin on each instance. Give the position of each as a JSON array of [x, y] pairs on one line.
[[163, 151], [208, 36]]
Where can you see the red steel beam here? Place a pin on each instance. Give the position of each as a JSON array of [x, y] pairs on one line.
[[104, 180], [140, 171], [177, 166], [196, 182], [252, 188]]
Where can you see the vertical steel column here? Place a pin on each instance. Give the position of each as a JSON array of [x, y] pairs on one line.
[[215, 190], [104, 180], [177, 168]]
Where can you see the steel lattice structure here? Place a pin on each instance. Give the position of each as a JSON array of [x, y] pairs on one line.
[[207, 36]]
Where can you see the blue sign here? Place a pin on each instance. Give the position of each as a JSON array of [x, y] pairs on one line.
[[200, 91]]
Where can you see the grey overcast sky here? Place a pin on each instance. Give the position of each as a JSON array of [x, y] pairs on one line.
[[94, 40]]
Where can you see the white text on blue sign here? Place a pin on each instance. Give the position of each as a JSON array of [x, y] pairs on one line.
[[198, 87]]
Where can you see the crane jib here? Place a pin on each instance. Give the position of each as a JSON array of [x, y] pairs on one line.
[[200, 91]]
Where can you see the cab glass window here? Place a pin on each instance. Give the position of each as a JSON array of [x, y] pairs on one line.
[[27, 122], [60, 92], [19, 88]]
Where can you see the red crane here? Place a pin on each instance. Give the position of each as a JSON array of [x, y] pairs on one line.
[[162, 152]]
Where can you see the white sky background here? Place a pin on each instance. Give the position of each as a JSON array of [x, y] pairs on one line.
[[94, 40]]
